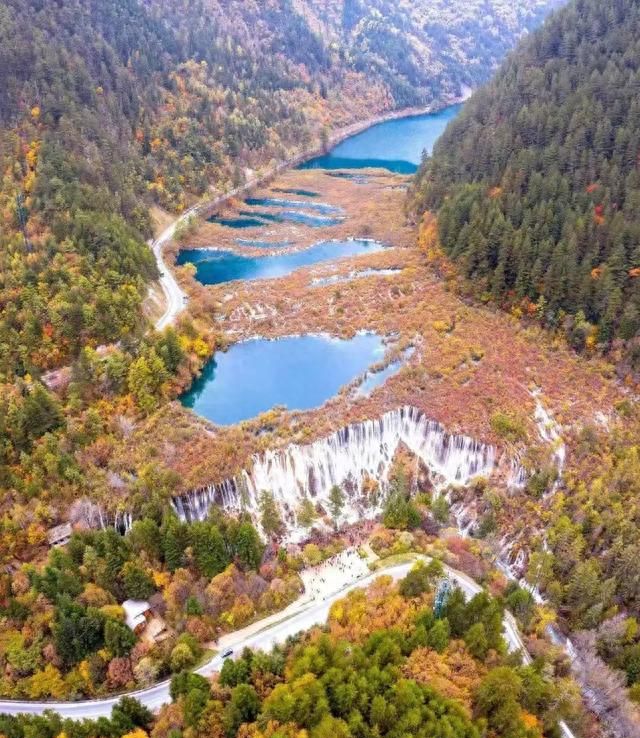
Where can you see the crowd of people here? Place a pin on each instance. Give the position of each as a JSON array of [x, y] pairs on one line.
[[335, 573]]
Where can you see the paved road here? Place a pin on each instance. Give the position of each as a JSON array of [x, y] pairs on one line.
[[310, 614], [175, 297]]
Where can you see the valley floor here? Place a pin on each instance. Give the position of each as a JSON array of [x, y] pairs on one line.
[[468, 363]]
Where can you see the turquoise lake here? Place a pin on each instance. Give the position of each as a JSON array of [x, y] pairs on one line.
[[396, 145], [301, 193], [298, 372], [303, 372], [276, 202], [292, 216], [313, 214], [216, 267], [258, 244]]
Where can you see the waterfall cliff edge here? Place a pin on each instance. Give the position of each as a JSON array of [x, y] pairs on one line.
[[349, 458]]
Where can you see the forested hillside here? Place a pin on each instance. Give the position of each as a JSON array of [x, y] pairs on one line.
[[537, 184], [389, 664], [107, 107], [423, 50]]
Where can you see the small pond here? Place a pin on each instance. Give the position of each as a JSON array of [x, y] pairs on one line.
[[298, 372]]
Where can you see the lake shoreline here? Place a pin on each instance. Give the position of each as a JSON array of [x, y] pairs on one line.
[[221, 266], [299, 373], [208, 208]]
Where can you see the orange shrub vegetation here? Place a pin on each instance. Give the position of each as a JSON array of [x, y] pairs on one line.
[[454, 673], [361, 613]]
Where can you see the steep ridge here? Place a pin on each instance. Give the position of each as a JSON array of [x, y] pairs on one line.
[[423, 49], [536, 183]]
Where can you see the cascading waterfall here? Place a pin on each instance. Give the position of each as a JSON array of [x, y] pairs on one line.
[[88, 515], [517, 476], [346, 458], [365, 451], [514, 558], [121, 520], [550, 433], [513, 565]]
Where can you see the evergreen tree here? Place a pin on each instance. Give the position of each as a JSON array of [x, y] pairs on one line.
[[173, 542], [248, 547], [208, 548], [438, 635], [536, 180], [306, 513], [337, 500], [270, 515], [138, 585], [118, 638]]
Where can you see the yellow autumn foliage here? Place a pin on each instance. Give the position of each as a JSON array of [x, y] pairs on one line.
[[161, 579]]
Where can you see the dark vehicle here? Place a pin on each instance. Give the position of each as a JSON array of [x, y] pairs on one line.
[[227, 653]]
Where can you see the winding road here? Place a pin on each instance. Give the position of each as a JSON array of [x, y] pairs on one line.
[[302, 615], [176, 299]]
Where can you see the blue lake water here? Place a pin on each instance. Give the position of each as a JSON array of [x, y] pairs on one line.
[[292, 216], [373, 380], [215, 267], [396, 145], [303, 372], [323, 215], [300, 373], [237, 222], [275, 202], [300, 193], [257, 244], [355, 178]]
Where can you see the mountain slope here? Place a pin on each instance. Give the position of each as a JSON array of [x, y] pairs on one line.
[[423, 50], [537, 181], [107, 107]]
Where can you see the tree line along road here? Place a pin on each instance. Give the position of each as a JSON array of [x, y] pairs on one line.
[[264, 635]]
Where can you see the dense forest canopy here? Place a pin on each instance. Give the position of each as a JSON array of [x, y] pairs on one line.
[[389, 664], [537, 182], [421, 50]]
